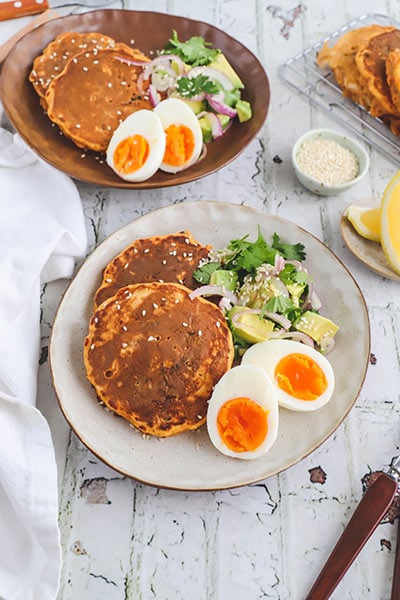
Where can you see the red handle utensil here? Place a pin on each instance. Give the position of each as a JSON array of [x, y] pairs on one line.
[[22, 8], [367, 516]]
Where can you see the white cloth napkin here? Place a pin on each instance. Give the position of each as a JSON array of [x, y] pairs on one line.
[[42, 231]]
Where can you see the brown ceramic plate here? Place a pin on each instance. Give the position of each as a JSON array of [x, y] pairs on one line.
[[150, 32], [369, 253]]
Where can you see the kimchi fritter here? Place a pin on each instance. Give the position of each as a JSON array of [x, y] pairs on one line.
[[154, 354], [169, 258]]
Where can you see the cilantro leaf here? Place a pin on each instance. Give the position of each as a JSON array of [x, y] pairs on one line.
[[195, 51], [188, 87], [288, 251], [250, 255], [290, 274], [202, 274], [277, 304]]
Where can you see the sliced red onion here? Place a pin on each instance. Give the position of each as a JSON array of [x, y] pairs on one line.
[[280, 319], [276, 317], [297, 336], [130, 61], [213, 74], [165, 58], [216, 127], [279, 263], [216, 101], [327, 344], [161, 82], [213, 290], [154, 96], [203, 152]]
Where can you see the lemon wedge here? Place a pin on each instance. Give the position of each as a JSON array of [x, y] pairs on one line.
[[366, 221], [390, 222]]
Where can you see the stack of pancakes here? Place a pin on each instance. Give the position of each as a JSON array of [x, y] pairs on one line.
[[88, 85], [366, 66], [153, 354]]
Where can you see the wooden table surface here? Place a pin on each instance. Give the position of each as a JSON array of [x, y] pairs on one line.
[[125, 540]]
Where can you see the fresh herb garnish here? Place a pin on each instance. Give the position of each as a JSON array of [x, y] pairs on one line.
[[203, 274], [188, 87], [195, 51], [288, 251]]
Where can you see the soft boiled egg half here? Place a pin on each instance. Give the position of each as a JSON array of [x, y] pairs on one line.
[[167, 138], [137, 146], [302, 377], [184, 139], [242, 416]]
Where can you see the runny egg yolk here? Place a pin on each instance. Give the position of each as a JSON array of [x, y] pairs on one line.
[[131, 154], [242, 424], [179, 145], [300, 376]]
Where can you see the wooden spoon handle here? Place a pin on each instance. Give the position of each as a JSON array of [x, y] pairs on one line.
[[367, 516], [22, 8]]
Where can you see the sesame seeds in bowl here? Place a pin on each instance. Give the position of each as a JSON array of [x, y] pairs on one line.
[[327, 162]]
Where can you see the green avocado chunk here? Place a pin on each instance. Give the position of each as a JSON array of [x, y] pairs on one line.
[[249, 326], [316, 326]]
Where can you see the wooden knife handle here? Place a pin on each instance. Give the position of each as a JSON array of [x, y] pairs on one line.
[[367, 516], [22, 8], [396, 571]]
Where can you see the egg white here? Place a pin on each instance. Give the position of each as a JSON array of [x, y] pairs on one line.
[[251, 382], [173, 111], [146, 123], [267, 355]]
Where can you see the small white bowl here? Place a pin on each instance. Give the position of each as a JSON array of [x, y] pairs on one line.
[[318, 187]]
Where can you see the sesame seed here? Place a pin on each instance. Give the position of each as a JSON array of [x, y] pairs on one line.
[[327, 161], [85, 69], [126, 265], [218, 324], [92, 347], [146, 251], [177, 301], [185, 324], [187, 241], [118, 307], [199, 333], [124, 327], [77, 126], [109, 84], [155, 305], [124, 345], [164, 262], [109, 280], [151, 338], [199, 417], [143, 313]]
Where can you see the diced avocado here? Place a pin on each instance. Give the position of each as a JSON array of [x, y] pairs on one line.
[[226, 279], [206, 129], [249, 326], [224, 120], [221, 63], [295, 290], [316, 326], [197, 106], [243, 110]]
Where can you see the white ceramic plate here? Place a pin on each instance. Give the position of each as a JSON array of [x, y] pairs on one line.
[[189, 461], [370, 253]]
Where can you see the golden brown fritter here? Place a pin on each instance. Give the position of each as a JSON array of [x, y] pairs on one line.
[[55, 56], [172, 257], [96, 91], [153, 355], [371, 62]]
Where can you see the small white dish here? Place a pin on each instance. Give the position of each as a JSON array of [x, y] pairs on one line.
[[319, 187]]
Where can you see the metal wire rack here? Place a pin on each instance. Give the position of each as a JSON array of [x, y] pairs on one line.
[[303, 74]]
